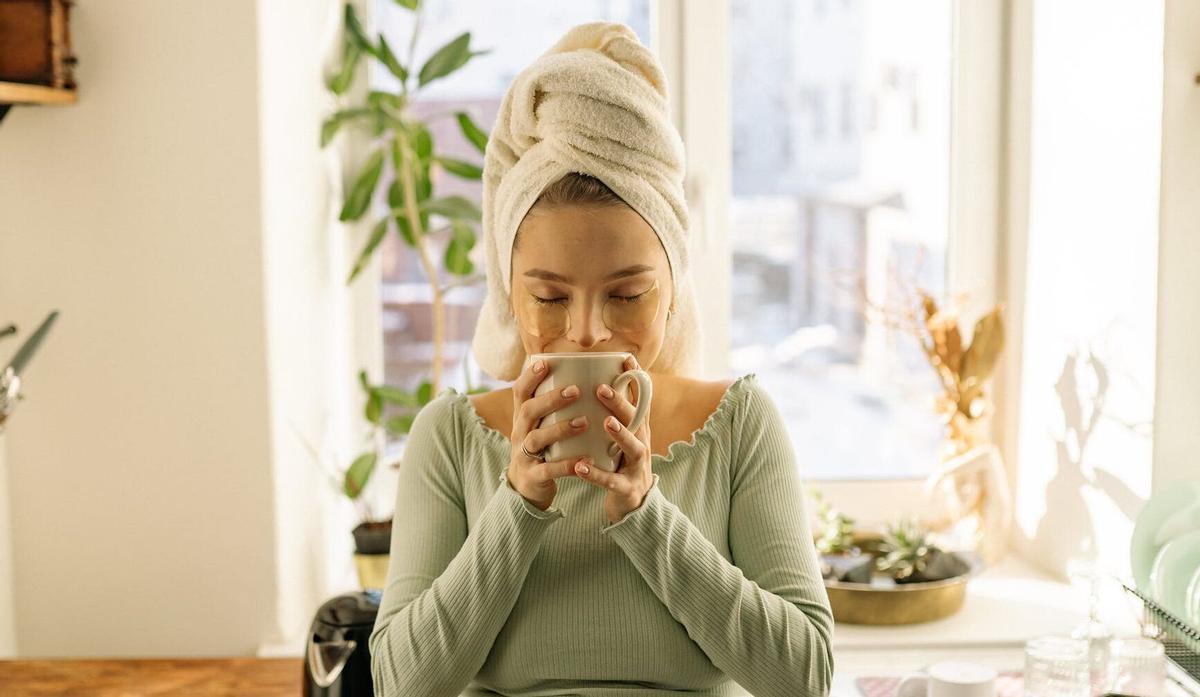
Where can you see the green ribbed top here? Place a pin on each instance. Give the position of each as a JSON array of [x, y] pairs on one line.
[[711, 587]]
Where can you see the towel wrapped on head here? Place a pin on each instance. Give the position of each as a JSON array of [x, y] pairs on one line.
[[594, 103]]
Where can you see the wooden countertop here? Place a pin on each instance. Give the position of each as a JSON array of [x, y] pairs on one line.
[[182, 677]]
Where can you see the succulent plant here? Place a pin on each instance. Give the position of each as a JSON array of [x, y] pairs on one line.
[[904, 550], [909, 557], [836, 532]]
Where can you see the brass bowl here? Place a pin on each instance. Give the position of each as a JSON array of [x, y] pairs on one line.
[[902, 603]]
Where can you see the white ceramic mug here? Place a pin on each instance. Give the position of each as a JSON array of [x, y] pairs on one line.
[[950, 679], [589, 371]]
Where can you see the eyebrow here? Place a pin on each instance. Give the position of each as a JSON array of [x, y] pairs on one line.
[[551, 276]]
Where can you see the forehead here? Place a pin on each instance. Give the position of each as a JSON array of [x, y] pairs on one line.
[[609, 237]]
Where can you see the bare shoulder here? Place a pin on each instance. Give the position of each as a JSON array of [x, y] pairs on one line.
[[699, 397], [495, 408]]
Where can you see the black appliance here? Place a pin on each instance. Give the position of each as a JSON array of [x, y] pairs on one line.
[[337, 660]]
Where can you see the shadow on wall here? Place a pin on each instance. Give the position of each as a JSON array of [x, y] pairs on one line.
[[1066, 529]]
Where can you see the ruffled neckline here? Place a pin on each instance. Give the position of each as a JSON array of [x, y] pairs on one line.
[[726, 404]]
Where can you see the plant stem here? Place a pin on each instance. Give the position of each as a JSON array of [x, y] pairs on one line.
[[412, 46], [414, 222]]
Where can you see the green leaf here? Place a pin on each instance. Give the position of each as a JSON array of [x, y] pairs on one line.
[[400, 425], [453, 207], [457, 252], [424, 393], [374, 407], [459, 168], [405, 230], [362, 380], [422, 142], [340, 81], [364, 257], [388, 58], [424, 191], [378, 98], [360, 194], [330, 128], [395, 395], [472, 132], [447, 59], [408, 4], [395, 195], [478, 390], [356, 33], [358, 474]]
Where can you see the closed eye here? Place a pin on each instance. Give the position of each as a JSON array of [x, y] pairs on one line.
[[630, 298]]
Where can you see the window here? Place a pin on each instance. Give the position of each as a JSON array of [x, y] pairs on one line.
[[819, 201], [477, 89], [845, 206]]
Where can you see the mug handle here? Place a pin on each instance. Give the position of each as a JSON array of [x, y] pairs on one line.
[[641, 410]]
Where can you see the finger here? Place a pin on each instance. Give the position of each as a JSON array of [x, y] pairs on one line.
[[531, 411], [540, 438], [634, 449], [531, 375], [616, 403], [611, 481], [545, 471]]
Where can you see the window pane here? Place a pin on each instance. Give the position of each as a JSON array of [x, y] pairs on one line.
[[841, 116], [516, 32]]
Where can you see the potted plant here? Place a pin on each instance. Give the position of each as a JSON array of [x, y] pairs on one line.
[[898, 576], [403, 153]]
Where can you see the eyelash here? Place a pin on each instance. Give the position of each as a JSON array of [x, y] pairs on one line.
[[556, 301]]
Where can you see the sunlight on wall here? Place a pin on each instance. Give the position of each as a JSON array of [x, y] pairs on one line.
[[1087, 392]]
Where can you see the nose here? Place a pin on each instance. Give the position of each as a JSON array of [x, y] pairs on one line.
[[588, 328]]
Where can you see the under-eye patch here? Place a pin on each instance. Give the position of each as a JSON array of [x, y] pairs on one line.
[[545, 319], [632, 313]]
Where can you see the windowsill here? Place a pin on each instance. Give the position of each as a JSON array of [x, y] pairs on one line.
[[1005, 606]]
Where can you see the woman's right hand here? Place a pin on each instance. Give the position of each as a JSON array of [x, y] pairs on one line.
[[534, 478]]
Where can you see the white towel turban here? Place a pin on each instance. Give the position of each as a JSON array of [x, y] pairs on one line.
[[594, 103]]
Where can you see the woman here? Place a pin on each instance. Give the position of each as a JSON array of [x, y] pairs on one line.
[[689, 570]]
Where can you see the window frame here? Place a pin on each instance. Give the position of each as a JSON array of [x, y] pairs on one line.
[[693, 43]]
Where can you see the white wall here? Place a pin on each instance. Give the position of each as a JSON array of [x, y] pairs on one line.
[[8, 624], [161, 502], [1177, 412], [1085, 252], [319, 331]]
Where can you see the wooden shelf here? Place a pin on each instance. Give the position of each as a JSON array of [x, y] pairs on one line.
[[20, 93]]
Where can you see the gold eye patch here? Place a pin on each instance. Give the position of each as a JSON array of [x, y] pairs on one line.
[[551, 319], [545, 320], [634, 315]]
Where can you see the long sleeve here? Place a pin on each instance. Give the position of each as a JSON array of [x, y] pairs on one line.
[[764, 619], [448, 593]]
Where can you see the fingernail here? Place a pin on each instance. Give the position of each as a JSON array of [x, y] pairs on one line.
[[606, 392], [571, 391], [613, 423], [578, 421], [539, 366], [582, 467]]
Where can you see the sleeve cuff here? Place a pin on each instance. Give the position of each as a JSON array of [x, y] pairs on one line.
[[549, 513], [652, 496]]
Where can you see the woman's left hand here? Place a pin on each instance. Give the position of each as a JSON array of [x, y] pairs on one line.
[[628, 485]]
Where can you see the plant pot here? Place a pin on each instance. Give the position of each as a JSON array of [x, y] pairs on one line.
[[885, 602], [373, 537], [372, 543], [372, 570]]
